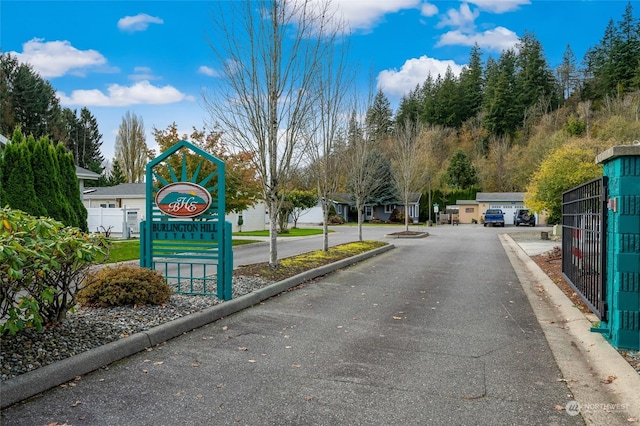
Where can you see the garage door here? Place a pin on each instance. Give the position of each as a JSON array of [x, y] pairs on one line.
[[508, 210]]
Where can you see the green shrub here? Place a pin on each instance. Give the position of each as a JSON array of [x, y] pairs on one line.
[[124, 285], [336, 220], [42, 263], [397, 216]]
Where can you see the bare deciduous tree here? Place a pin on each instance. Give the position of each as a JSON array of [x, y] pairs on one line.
[[330, 117], [270, 53], [408, 160], [131, 150], [363, 162]]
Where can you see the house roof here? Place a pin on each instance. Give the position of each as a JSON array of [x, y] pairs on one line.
[[124, 190], [466, 202], [3, 141], [414, 197], [491, 197], [340, 198], [86, 174]]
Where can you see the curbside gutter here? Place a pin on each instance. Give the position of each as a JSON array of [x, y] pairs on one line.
[[44, 378], [602, 382]]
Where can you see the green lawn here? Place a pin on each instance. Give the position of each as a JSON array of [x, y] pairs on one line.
[[123, 250]]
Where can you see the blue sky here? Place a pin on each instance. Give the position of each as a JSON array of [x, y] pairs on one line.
[[152, 58]]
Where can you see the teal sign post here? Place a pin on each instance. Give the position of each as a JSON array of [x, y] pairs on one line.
[[184, 234]]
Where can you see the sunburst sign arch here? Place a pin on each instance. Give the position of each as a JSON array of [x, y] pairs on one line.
[[184, 234]]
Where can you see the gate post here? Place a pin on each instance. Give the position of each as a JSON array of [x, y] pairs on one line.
[[622, 168]]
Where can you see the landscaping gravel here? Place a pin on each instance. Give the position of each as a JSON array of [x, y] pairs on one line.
[[88, 328]]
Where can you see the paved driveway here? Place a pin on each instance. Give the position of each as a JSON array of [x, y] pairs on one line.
[[436, 331]]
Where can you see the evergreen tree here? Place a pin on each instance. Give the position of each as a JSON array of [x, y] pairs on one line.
[[535, 80], [503, 113], [83, 139], [354, 130], [425, 97], [471, 86], [612, 66], [567, 73], [46, 180], [387, 191], [71, 188], [379, 117], [88, 143], [17, 177], [461, 174], [116, 177], [28, 100], [409, 108], [447, 102], [626, 53], [71, 129]]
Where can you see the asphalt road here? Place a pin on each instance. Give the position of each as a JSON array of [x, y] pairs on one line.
[[289, 246], [437, 331]]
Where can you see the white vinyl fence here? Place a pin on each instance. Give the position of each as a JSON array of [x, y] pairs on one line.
[[114, 221]]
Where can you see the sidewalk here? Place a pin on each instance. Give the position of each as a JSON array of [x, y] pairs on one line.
[[601, 380]]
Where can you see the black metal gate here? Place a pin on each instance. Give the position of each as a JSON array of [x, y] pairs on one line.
[[584, 243]]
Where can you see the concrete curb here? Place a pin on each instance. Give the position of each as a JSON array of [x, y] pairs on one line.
[[34, 382], [585, 358]]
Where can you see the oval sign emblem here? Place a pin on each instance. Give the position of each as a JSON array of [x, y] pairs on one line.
[[183, 199]]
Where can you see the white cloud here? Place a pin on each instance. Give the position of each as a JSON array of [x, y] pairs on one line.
[[208, 71], [413, 73], [56, 58], [364, 15], [463, 19], [499, 6], [462, 22], [141, 92], [497, 39], [143, 73], [140, 22], [428, 9]]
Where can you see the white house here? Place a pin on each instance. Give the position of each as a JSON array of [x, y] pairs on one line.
[[112, 206]]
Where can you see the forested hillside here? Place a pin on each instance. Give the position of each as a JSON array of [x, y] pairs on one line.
[[513, 115], [509, 114]]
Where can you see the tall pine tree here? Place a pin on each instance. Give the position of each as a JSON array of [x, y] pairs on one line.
[[567, 73], [535, 80], [380, 117], [471, 86], [28, 100], [502, 111], [613, 65]]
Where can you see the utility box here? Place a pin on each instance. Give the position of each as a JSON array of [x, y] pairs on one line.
[[622, 169]]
